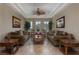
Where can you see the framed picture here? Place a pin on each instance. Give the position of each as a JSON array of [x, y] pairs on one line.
[[16, 22], [60, 23]]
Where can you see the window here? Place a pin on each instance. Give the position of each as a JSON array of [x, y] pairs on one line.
[[31, 23], [37, 25], [46, 26]]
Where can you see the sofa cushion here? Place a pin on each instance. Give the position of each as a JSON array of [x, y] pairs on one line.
[[61, 33]]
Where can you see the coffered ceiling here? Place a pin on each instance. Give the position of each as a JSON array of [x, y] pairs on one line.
[[28, 9]]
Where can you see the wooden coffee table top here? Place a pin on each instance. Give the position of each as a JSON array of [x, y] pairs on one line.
[[69, 42], [9, 42]]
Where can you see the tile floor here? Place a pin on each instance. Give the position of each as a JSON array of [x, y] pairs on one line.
[[40, 49]]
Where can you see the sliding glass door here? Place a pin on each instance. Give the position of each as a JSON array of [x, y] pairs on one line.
[[37, 25], [46, 28]]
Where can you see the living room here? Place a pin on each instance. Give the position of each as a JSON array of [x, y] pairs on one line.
[[64, 17]]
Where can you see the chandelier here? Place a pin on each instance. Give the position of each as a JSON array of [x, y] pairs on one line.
[[39, 12]]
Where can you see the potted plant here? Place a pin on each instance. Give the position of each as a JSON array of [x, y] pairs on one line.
[[50, 25], [27, 25]]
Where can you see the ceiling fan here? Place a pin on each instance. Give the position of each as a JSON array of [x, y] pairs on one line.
[[39, 12]]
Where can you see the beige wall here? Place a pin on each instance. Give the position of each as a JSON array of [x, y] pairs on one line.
[[71, 14], [6, 14]]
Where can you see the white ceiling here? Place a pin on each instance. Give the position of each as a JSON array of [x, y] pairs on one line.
[[27, 9]]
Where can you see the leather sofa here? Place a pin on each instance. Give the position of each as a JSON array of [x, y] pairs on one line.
[[54, 36], [16, 35]]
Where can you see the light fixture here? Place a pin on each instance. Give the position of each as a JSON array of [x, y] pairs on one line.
[[39, 12]]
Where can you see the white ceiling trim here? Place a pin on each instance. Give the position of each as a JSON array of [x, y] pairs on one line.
[[58, 9], [17, 8], [50, 15], [55, 9]]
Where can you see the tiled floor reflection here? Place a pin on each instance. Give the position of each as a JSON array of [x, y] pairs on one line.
[[41, 49]]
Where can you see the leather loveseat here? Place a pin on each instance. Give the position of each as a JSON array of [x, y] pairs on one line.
[[56, 35], [16, 35]]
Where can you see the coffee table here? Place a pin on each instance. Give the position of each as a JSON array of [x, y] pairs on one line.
[[68, 43], [9, 44]]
